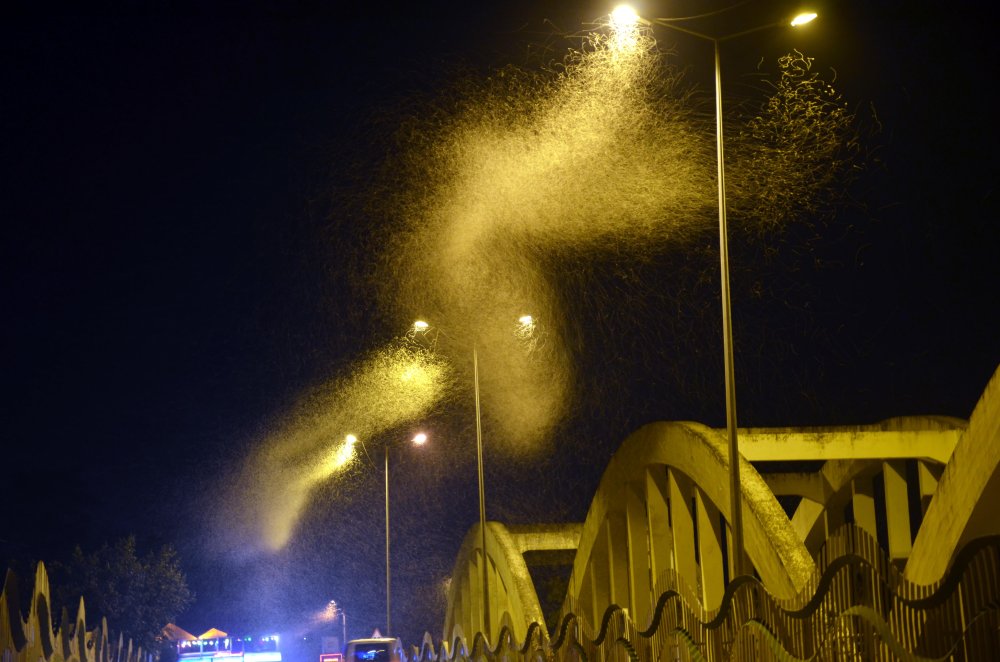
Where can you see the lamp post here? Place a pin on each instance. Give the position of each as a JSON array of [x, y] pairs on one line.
[[482, 496], [622, 18], [418, 440], [336, 609], [527, 324]]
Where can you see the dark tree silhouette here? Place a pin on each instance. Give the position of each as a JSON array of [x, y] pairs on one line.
[[137, 595]]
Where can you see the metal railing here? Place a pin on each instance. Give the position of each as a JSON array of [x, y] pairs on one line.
[[38, 638], [857, 606]]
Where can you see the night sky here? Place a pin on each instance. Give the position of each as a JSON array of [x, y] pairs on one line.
[[183, 212]]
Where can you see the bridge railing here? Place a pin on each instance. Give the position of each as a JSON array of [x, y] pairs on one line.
[[38, 638], [857, 606]]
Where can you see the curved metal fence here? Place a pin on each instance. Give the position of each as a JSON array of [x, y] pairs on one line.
[[857, 606], [29, 632]]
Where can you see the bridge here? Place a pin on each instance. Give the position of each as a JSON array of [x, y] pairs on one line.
[[871, 542], [892, 550]]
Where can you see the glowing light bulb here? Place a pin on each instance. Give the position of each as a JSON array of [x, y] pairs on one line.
[[624, 30], [351, 439], [421, 325], [803, 18], [624, 18], [420, 438], [526, 330]]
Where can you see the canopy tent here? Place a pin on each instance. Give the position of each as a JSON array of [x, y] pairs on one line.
[[173, 633], [213, 633]]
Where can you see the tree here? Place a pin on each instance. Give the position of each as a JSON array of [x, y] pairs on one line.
[[137, 595]]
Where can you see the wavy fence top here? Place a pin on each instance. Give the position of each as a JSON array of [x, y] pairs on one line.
[[857, 606], [28, 632]]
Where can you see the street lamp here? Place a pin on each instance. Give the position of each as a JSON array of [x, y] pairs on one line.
[[336, 609], [623, 18], [418, 440], [526, 326], [482, 495]]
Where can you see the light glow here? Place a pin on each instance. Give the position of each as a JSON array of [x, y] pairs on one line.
[[420, 439], [421, 325], [526, 330], [504, 175], [624, 18], [624, 29], [272, 656], [340, 456], [308, 446], [803, 18]]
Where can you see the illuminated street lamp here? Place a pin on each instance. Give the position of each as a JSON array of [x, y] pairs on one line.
[[419, 439], [334, 609], [525, 329], [624, 19]]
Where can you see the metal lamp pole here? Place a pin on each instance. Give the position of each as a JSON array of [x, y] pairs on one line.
[[335, 609], [482, 496], [735, 502], [526, 322], [735, 492], [736, 512], [419, 440], [388, 576]]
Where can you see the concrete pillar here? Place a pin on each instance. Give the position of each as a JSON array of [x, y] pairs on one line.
[[474, 579], [641, 594], [661, 541], [928, 474], [682, 525], [616, 534], [597, 602], [810, 512], [863, 505], [709, 552], [600, 573], [897, 510], [587, 603], [459, 610], [499, 599]]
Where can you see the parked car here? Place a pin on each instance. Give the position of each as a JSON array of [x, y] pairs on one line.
[[375, 649]]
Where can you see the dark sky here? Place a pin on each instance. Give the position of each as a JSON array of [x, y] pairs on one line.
[[169, 267]]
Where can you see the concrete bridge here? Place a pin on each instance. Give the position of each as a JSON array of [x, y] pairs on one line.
[[891, 551], [649, 570]]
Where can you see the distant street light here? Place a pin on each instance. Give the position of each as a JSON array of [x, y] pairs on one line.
[[336, 609], [525, 329], [418, 440], [624, 19], [802, 19]]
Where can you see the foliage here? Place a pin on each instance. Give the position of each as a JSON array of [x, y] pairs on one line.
[[137, 595]]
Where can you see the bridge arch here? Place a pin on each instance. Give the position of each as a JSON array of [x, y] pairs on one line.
[[659, 519], [661, 509], [844, 488], [964, 506], [513, 600]]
